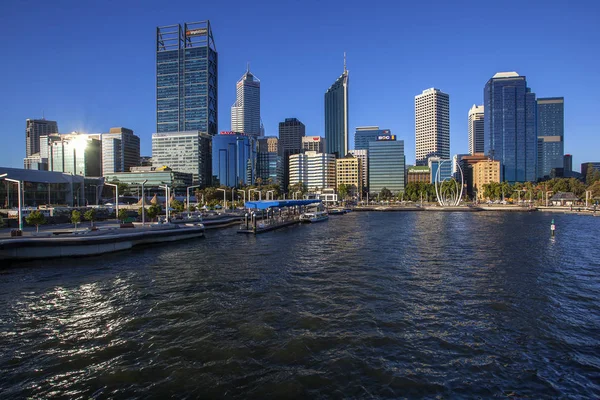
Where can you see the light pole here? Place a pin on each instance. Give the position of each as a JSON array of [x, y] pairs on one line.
[[296, 193], [224, 197], [588, 193], [96, 186], [272, 193], [249, 193], [20, 200], [547, 193], [232, 197], [166, 187], [144, 203], [116, 198], [188, 195], [519, 191]]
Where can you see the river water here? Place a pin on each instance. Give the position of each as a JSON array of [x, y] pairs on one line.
[[365, 305]]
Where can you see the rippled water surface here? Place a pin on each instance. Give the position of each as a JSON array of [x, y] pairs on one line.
[[366, 305]]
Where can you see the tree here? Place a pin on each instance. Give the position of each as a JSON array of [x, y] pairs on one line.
[[75, 218], [36, 218], [385, 194], [122, 215], [343, 190], [177, 205], [90, 215], [1, 222], [592, 176], [153, 211]]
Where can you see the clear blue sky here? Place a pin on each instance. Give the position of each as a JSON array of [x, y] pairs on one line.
[[91, 65]]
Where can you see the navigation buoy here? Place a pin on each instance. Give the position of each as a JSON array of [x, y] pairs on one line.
[[552, 227]]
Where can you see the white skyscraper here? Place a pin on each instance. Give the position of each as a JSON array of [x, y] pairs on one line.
[[432, 125], [476, 129], [245, 112]]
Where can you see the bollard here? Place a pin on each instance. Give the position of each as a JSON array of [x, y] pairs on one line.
[[552, 227]]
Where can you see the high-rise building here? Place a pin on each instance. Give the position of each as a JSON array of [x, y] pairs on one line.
[[233, 159], [510, 126], [315, 170], [291, 132], [476, 129], [362, 156], [34, 130], [551, 130], [444, 167], [269, 165], [485, 172], [365, 134], [349, 172], [76, 153], [120, 150], [336, 115], [568, 164], [245, 112], [313, 143], [432, 125], [184, 152], [386, 166], [186, 78]]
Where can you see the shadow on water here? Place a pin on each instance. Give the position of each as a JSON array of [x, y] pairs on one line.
[[364, 305]]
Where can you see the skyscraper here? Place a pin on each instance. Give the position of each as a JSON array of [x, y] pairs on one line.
[[386, 166], [291, 132], [315, 170], [233, 159], [34, 129], [551, 130], [269, 166], [336, 115], [365, 134], [476, 129], [120, 150], [510, 126], [245, 112], [432, 125], [189, 152], [79, 154], [186, 78]]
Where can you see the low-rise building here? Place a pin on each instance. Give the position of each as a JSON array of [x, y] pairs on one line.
[[485, 172], [315, 170], [349, 173], [418, 174], [154, 177]]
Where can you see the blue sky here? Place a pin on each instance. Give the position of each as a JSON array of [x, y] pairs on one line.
[[91, 65]]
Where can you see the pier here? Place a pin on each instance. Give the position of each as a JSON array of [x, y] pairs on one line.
[[273, 214]]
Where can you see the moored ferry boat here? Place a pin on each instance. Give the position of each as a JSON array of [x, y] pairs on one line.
[[316, 216]]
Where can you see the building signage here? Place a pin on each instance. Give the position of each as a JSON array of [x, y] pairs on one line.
[[196, 32], [386, 137], [230, 133]]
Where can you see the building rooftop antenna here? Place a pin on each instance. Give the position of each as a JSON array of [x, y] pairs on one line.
[[345, 62]]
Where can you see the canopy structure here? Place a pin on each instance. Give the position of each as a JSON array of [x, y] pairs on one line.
[[264, 204]]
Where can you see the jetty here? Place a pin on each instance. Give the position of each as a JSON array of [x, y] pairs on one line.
[[268, 215], [94, 242]]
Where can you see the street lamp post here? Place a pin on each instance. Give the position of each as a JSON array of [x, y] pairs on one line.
[[188, 195], [144, 203], [272, 193], [224, 198], [96, 186], [166, 187], [296, 194], [588, 193], [250, 193], [232, 197], [547, 193], [116, 198], [244, 193], [20, 200]]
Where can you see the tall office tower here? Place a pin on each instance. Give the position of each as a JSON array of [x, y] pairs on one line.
[[432, 125], [233, 159], [245, 112], [315, 170], [568, 165], [75, 153], [551, 131], [365, 134], [34, 129], [291, 132], [386, 166], [476, 129], [362, 156], [189, 152], [349, 172], [444, 167], [186, 79], [269, 165], [313, 143], [336, 115], [510, 126], [120, 150]]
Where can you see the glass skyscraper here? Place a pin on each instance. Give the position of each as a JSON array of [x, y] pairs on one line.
[[386, 166], [551, 131], [510, 126], [365, 134], [291, 132], [245, 112], [233, 159], [336, 116], [186, 78]]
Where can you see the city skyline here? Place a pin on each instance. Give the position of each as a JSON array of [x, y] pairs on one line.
[[78, 107]]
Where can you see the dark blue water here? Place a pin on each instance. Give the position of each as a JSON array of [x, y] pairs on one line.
[[366, 305]]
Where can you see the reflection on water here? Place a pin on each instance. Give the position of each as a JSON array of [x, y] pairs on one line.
[[364, 305]]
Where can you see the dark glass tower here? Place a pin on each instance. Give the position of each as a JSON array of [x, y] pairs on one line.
[[186, 78], [291, 132], [551, 131], [336, 116], [510, 126]]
